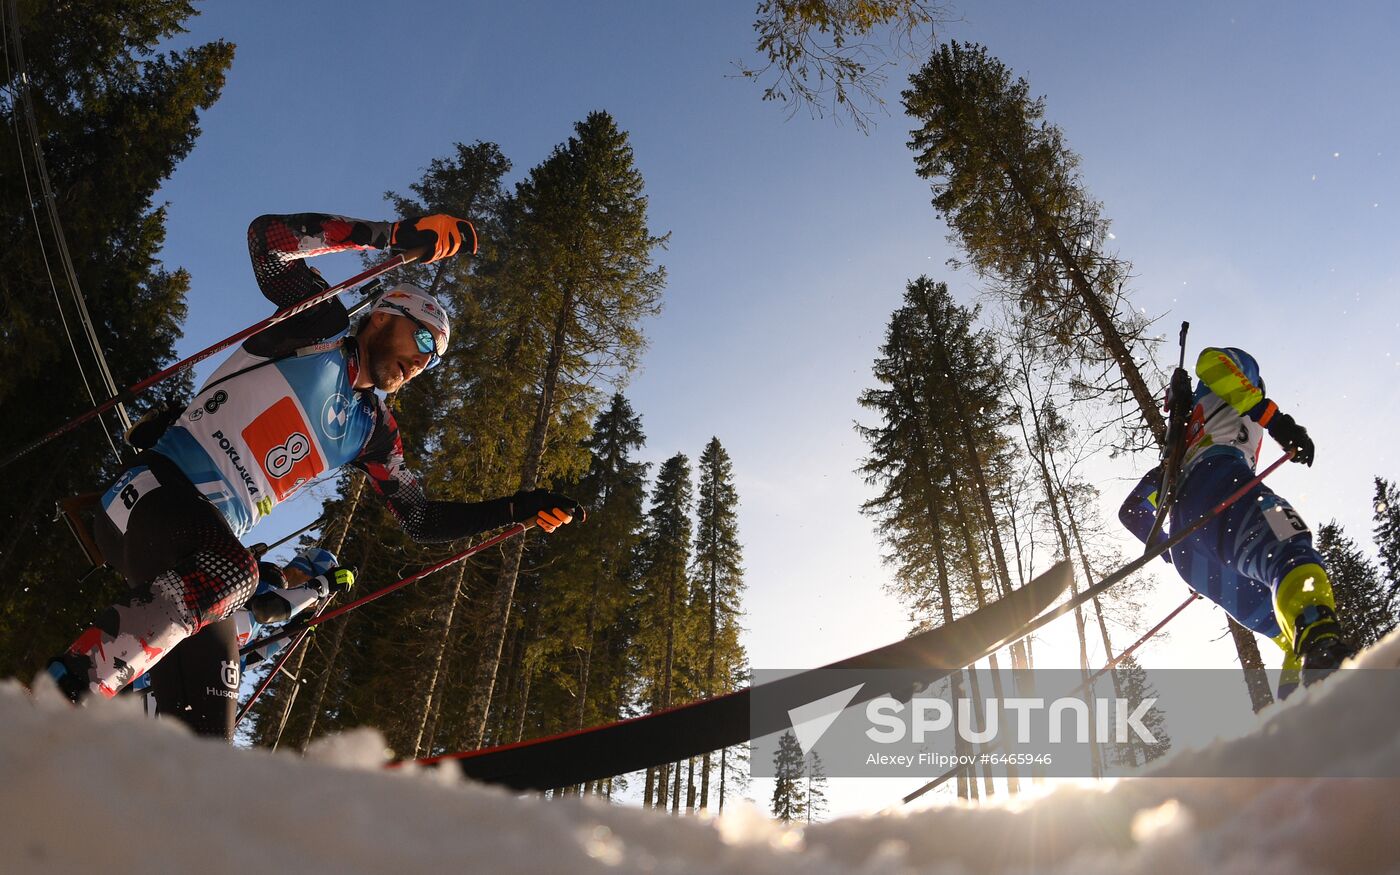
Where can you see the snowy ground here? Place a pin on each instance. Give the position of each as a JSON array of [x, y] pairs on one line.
[[104, 790]]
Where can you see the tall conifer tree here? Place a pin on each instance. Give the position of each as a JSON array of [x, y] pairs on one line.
[[718, 574], [789, 800], [113, 118], [1009, 189], [1008, 186], [1385, 506], [1367, 610], [580, 252], [664, 645]]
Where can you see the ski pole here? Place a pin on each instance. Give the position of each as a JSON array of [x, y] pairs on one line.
[[932, 784], [135, 389], [1135, 645], [267, 681], [293, 628], [1139, 563], [1095, 676], [261, 550]]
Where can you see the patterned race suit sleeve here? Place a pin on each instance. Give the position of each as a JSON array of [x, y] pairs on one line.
[[279, 247], [424, 520]]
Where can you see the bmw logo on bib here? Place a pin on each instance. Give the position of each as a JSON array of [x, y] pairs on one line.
[[335, 416]]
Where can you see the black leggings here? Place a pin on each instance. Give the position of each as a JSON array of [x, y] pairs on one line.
[[188, 574], [197, 682]]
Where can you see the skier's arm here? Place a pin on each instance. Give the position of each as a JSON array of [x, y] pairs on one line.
[[1139, 509], [280, 244], [427, 521], [276, 602], [1233, 374]]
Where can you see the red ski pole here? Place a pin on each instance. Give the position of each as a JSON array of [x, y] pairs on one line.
[[267, 681], [293, 628], [1136, 644], [130, 393]]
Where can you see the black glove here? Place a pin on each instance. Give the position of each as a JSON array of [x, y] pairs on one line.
[[1292, 436], [441, 234], [549, 510], [333, 582]]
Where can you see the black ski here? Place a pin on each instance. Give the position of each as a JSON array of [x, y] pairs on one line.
[[710, 724]]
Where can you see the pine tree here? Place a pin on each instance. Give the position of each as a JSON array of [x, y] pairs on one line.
[[815, 789], [113, 118], [1008, 187], [1135, 688], [584, 590], [460, 439], [940, 453], [579, 251], [823, 54], [665, 647], [718, 574], [1386, 516], [789, 800], [909, 464], [1366, 609]]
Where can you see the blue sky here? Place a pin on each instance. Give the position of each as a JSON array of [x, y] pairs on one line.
[[1246, 153]]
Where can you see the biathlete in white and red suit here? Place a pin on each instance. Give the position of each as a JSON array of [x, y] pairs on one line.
[[293, 402]]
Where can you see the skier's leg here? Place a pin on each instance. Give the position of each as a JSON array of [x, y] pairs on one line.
[[197, 683], [186, 567], [1249, 602], [1260, 537]]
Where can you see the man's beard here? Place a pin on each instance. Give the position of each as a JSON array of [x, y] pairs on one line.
[[383, 367]]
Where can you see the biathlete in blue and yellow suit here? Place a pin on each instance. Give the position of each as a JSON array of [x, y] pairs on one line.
[[1256, 559]]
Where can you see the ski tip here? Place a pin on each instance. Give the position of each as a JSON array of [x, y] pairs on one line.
[[1059, 576]]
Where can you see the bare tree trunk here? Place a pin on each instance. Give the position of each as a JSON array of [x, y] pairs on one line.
[[666, 675], [690, 787], [435, 671], [1044, 459], [526, 678], [433, 727], [650, 791], [676, 791], [483, 686], [723, 774], [323, 684], [975, 571], [1098, 608], [1102, 319], [980, 716], [1254, 677], [587, 666]]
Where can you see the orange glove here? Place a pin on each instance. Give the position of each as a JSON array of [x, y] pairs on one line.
[[547, 509], [441, 234]]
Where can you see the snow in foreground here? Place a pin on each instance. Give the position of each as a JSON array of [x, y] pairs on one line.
[[104, 790]]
